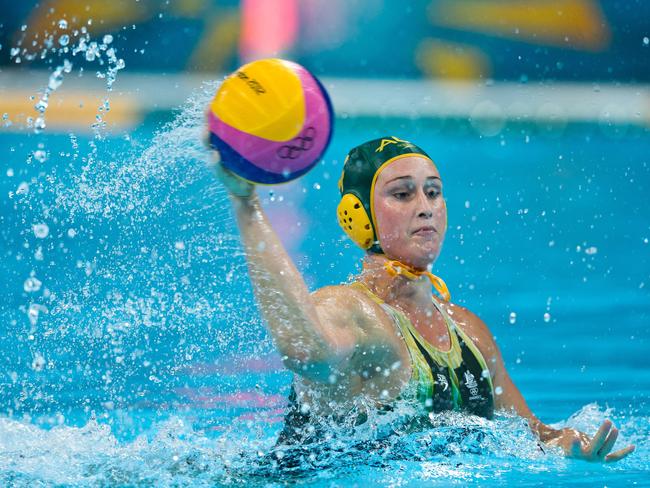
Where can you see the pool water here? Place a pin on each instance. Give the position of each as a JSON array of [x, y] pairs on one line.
[[132, 351]]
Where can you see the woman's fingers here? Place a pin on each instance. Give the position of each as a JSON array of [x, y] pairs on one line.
[[596, 448], [599, 439], [609, 443], [236, 186], [620, 454]]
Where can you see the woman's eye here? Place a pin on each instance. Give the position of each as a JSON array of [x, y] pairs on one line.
[[433, 193], [401, 195]]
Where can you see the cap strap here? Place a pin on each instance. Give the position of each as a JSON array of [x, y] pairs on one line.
[[395, 268]]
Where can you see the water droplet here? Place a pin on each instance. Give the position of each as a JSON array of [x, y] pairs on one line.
[[591, 250], [40, 155], [63, 24], [316, 186], [39, 125], [41, 105], [646, 41], [513, 317], [41, 230], [38, 363], [547, 317], [107, 39], [34, 311], [32, 284], [180, 245], [64, 40], [23, 188], [498, 390]]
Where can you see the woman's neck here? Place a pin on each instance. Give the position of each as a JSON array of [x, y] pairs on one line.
[[394, 289]]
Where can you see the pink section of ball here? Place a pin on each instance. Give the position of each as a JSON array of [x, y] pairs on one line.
[[295, 154]]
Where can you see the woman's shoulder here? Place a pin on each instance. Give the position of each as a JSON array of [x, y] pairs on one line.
[[351, 300], [345, 294]]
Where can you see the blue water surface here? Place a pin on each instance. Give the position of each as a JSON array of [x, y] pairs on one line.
[[132, 351]]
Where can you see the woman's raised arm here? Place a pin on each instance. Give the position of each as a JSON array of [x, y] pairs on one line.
[[312, 344]]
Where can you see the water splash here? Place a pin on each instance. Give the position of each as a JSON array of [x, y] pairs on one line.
[[456, 449], [88, 51], [120, 307]]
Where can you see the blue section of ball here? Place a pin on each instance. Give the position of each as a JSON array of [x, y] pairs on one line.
[[243, 168]]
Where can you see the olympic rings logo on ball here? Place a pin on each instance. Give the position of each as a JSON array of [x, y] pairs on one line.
[[299, 145]]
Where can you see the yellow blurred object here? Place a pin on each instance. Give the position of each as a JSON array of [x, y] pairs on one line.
[[453, 61], [72, 110], [218, 42], [577, 24], [263, 98]]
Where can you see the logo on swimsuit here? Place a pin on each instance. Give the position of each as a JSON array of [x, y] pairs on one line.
[[470, 383], [443, 381]]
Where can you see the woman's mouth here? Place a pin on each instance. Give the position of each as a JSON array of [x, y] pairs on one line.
[[427, 230]]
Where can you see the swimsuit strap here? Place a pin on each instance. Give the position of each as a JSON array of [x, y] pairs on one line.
[[415, 342], [405, 325]]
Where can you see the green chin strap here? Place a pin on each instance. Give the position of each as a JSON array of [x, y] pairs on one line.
[[360, 170]]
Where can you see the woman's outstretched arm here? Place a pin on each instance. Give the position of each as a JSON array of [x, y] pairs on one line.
[[573, 442]]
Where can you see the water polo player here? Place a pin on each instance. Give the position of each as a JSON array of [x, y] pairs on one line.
[[385, 338]]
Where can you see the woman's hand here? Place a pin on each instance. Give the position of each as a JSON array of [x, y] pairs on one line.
[[237, 186], [578, 444]]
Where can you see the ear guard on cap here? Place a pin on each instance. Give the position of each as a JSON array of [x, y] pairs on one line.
[[354, 220]]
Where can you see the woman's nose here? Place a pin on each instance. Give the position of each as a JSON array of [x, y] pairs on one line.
[[425, 205]]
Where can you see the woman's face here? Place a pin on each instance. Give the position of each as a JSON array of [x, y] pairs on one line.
[[410, 211]]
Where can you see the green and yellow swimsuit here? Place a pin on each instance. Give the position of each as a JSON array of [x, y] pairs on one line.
[[457, 379]]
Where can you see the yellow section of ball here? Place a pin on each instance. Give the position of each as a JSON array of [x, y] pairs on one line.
[[354, 220], [264, 98]]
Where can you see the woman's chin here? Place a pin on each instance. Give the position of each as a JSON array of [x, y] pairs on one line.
[[419, 261], [419, 255]]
